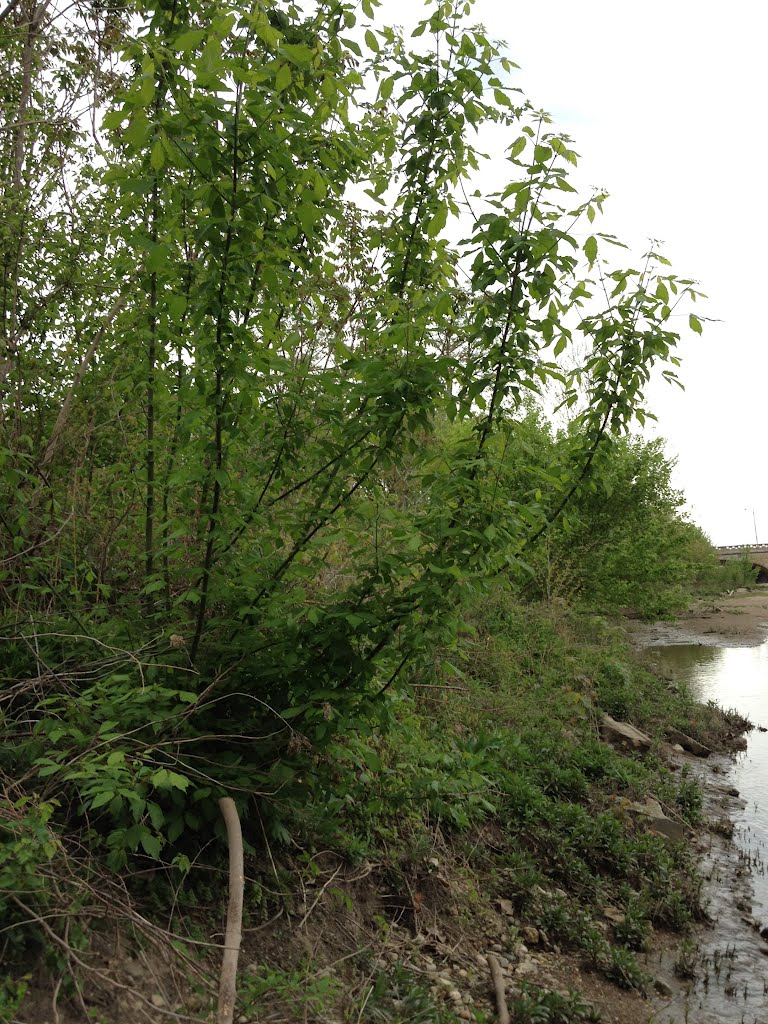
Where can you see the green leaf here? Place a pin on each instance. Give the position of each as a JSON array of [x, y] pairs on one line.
[[175, 829], [371, 41], [151, 845], [694, 323], [372, 759], [438, 220], [157, 156], [385, 88], [178, 781], [114, 119], [293, 712], [590, 249], [283, 78], [156, 815], [101, 798], [189, 40]]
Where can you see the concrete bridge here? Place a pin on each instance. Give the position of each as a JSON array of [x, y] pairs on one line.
[[756, 554]]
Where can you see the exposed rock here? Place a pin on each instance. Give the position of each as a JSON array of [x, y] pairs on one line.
[[134, 969], [688, 743], [613, 914], [655, 818], [663, 987], [531, 935], [668, 750], [506, 907], [622, 734]]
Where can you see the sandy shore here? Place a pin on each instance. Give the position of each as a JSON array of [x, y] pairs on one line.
[[733, 620]]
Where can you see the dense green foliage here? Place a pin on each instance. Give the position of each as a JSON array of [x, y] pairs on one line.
[[626, 541], [267, 358]]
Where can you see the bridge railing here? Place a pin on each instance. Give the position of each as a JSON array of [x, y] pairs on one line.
[[743, 549]]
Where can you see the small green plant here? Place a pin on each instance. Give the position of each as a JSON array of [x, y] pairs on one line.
[[537, 1005], [12, 992], [623, 968], [687, 962], [634, 931], [398, 996], [689, 798], [299, 992]]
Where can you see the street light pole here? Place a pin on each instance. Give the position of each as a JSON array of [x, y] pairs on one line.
[[754, 522]]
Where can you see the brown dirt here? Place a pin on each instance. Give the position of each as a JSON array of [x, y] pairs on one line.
[[743, 614], [736, 619]]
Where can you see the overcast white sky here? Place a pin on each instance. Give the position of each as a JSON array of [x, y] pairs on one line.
[[666, 103]]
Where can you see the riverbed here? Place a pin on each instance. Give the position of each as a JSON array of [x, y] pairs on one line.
[[720, 653]]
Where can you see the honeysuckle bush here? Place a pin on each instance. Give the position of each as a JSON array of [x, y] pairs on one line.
[[243, 293]]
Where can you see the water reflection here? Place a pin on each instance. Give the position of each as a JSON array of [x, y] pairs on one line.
[[735, 677]]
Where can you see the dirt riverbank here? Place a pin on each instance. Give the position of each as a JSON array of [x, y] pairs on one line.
[[739, 619]]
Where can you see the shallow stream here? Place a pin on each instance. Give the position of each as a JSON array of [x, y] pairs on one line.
[[731, 984]]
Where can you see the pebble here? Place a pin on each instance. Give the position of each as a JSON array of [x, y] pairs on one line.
[[157, 1000], [464, 1014], [455, 996], [663, 987], [480, 960], [134, 969], [463, 973]]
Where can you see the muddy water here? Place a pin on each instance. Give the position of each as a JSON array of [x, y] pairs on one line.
[[731, 984]]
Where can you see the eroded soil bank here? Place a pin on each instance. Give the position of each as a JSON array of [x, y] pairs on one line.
[[556, 883]]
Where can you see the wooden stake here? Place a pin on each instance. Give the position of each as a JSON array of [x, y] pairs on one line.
[[499, 988], [228, 981]]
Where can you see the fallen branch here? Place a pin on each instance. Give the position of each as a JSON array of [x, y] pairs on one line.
[[499, 989], [228, 982]]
